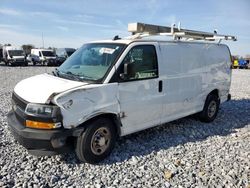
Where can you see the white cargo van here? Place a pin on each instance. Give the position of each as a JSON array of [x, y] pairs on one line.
[[43, 56], [14, 56], [112, 88]]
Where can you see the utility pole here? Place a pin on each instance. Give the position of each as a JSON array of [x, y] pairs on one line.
[[42, 40]]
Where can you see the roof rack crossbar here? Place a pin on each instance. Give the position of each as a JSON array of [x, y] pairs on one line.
[[140, 30]]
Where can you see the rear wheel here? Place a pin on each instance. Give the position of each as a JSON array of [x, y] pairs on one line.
[[211, 108], [96, 142]]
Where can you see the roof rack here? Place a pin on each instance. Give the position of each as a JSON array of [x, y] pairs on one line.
[[140, 30]]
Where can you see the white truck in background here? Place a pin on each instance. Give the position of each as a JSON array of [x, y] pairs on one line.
[[43, 56], [13, 56]]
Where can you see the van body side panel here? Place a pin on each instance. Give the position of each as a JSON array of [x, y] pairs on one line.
[[183, 79], [81, 104], [218, 71]]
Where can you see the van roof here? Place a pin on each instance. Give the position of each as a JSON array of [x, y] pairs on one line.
[[151, 39]]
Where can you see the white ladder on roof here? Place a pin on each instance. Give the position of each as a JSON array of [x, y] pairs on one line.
[[140, 30]]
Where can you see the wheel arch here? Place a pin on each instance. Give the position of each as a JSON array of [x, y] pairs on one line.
[[113, 117], [215, 92]]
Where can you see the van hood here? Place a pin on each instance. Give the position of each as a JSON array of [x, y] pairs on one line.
[[40, 88]]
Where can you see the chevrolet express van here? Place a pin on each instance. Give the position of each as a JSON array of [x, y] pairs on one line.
[[113, 88]]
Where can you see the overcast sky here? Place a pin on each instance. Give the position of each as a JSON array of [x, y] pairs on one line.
[[68, 23]]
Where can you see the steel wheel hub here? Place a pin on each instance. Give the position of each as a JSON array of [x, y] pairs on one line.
[[100, 141], [212, 109]]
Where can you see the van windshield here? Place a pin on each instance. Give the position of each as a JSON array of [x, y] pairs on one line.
[[48, 54], [91, 61], [16, 52]]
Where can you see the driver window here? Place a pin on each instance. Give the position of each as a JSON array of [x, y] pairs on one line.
[[144, 62]]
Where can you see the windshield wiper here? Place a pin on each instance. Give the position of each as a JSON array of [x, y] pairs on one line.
[[56, 72], [81, 76], [71, 75]]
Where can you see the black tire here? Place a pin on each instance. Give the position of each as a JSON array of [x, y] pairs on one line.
[[88, 147], [33, 62], [210, 109]]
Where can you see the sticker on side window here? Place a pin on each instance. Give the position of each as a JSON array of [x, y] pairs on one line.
[[107, 50]]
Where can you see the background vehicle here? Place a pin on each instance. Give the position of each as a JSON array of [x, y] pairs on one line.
[[242, 64], [32, 58], [14, 56], [63, 53], [43, 56], [235, 64]]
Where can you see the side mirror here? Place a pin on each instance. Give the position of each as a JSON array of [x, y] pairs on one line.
[[129, 71]]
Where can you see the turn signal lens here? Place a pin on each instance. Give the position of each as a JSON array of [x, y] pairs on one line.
[[42, 125]]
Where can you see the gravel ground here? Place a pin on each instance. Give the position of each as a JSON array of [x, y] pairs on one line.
[[183, 153]]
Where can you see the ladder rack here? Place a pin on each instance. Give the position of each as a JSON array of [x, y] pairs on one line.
[[140, 30]]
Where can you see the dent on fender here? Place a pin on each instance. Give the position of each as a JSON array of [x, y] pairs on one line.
[[81, 104]]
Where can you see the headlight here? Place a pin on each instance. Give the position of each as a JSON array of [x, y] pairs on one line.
[[44, 112], [41, 110]]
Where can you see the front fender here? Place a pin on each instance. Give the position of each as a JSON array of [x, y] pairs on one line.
[[80, 104]]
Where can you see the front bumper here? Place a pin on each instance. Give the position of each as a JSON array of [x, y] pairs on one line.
[[41, 142], [18, 62]]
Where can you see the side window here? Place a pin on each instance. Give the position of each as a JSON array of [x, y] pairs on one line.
[[142, 61], [40, 54]]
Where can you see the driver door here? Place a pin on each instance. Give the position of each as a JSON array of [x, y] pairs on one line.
[[140, 91]]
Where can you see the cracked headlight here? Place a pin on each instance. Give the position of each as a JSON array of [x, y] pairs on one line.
[[46, 116], [41, 110]]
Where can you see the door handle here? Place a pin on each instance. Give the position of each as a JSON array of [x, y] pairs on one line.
[[160, 86]]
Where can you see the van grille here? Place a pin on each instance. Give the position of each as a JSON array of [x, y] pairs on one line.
[[19, 102], [19, 60], [19, 105]]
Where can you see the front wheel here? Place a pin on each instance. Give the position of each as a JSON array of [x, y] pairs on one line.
[[33, 62], [210, 110], [96, 142]]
